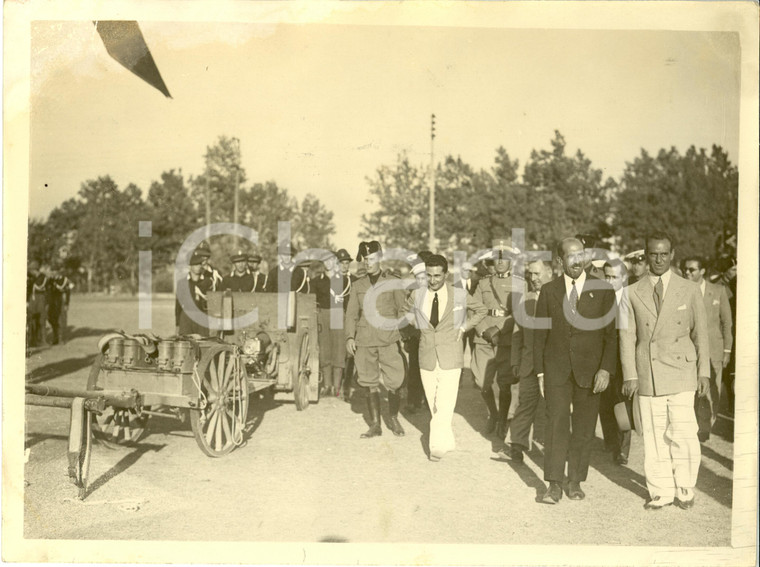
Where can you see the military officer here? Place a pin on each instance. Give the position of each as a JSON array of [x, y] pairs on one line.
[[638, 265], [299, 275], [59, 293], [259, 279], [199, 284], [240, 279], [376, 350], [204, 251], [347, 370], [493, 338]]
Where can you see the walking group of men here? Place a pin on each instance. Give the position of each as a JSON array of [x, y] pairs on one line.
[[48, 292], [651, 353]]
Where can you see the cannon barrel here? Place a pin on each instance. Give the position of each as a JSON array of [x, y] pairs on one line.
[[126, 400]]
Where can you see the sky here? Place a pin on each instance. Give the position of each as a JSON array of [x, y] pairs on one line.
[[318, 107]]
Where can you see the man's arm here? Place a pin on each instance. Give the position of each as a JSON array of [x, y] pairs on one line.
[[700, 336], [726, 325], [476, 312], [627, 337], [610, 352], [540, 335]]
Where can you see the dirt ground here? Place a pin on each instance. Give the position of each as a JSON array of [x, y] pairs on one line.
[[307, 476]]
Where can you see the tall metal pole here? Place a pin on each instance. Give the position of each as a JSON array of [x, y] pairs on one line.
[[208, 200], [431, 228]]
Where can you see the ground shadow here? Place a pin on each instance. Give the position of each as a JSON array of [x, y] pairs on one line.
[[727, 462], [718, 487], [36, 438], [127, 461], [527, 475], [81, 332], [724, 426], [626, 478], [60, 368], [259, 404]]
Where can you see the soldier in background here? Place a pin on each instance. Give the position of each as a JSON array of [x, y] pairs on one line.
[[637, 261], [216, 277], [493, 339], [240, 279], [199, 284], [259, 279], [299, 275], [37, 290], [59, 293], [344, 263]]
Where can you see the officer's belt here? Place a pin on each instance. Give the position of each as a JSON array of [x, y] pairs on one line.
[[497, 312]]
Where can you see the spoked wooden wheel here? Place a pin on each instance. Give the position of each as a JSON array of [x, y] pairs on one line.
[[116, 427], [218, 424], [301, 373]]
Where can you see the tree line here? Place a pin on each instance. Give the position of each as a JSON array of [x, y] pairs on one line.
[[94, 236], [693, 196]]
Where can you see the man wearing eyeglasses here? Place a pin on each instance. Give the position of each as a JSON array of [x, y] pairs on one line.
[[719, 325]]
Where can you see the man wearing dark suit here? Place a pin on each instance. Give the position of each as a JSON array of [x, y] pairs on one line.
[[617, 442], [538, 274], [665, 352], [442, 313], [573, 360], [719, 325]]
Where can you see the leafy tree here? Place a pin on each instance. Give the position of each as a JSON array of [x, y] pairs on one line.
[[693, 196], [223, 171], [313, 224], [569, 191], [401, 194], [173, 216]]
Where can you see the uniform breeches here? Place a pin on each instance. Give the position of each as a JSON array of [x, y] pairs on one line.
[[380, 364], [489, 363], [671, 447]]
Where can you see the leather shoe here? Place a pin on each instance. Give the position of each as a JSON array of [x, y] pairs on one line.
[[574, 491], [395, 426], [621, 459], [553, 494], [683, 500], [510, 453], [436, 456], [657, 503]]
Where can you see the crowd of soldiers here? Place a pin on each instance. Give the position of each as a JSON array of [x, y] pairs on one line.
[[48, 291]]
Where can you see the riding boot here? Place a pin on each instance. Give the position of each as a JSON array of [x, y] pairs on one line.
[[373, 404], [394, 401], [490, 400], [505, 400]]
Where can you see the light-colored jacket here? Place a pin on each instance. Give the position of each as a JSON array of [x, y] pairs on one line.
[[666, 352], [718, 321], [462, 311]]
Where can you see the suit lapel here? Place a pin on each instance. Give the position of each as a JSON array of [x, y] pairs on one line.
[[449, 301], [645, 291], [671, 301]]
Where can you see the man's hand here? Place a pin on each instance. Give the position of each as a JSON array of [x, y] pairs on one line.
[[351, 346], [703, 386], [541, 383], [491, 334], [601, 380], [630, 387], [726, 358]]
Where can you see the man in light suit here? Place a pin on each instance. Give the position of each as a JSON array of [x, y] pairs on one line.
[[443, 314], [719, 326], [373, 338], [665, 354], [573, 359]]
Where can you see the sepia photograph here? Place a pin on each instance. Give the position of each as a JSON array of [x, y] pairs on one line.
[[457, 283]]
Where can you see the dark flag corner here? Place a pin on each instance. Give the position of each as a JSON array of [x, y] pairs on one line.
[[125, 43]]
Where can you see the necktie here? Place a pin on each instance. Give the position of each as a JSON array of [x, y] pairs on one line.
[[434, 311], [658, 295], [573, 299]]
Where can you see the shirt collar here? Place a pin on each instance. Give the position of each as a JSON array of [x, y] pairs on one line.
[[665, 278], [579, 281], [703, 286]]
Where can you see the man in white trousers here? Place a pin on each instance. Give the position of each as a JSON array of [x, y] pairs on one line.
[[665, 355], [442, 313]]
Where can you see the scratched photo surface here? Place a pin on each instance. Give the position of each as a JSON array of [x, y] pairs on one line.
[[319, 133]]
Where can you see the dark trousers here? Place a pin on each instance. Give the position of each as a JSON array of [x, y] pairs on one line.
[[414, 391], [561, 445], [706, 408], [616, 441], [527, 412]]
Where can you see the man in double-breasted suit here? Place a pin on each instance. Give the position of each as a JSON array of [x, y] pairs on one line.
[[665, 354], [573, 359], [442, 313], [719, 328], [373, 337]]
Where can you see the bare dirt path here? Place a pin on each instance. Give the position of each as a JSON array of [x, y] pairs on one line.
[[306, 476]]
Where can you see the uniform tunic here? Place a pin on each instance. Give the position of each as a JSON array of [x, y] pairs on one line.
[[198, 290]]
